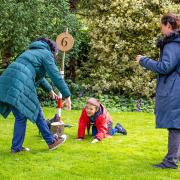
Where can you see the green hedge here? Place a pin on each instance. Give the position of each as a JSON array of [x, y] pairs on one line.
[[112, 103], [119, 31]]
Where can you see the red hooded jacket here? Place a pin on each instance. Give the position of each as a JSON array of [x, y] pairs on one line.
[[101, 124]]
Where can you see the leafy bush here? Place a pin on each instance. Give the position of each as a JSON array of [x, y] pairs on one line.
[[80, 94], [23, 21], [120, 30], [112, 103]]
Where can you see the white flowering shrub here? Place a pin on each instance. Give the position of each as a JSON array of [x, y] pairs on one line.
[[120, 30]]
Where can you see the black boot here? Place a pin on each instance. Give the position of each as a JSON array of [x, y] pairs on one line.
[[120, 129], [164, 166]]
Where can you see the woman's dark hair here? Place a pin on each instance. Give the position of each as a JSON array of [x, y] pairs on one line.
[[52, 44], [172, 19]]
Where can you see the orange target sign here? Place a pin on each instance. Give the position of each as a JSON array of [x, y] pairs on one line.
[[65, 41]]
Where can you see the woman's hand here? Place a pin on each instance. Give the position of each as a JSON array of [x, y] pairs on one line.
[[138, 58], [67, 103], [53, 95]]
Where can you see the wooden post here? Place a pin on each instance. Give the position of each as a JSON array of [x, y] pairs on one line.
[[65, 42]]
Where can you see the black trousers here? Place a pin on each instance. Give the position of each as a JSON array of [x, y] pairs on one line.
[[173, 156]]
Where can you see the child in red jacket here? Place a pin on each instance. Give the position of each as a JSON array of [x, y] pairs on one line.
[[95, 115]]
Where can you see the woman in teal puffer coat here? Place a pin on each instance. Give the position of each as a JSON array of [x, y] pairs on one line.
[[18, 90]]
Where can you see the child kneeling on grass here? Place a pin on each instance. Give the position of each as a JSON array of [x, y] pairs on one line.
[[95, 115]]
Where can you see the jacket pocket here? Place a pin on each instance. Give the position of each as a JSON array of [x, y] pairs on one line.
[[165, 85]]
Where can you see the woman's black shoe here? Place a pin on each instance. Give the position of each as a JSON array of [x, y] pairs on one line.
[[163, 166]]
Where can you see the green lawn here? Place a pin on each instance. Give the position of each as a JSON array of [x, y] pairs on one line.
[[121, 157]]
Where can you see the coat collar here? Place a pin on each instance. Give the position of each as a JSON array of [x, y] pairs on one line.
[[162, 41]]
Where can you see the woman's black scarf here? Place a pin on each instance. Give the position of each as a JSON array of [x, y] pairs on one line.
[[162, 41]]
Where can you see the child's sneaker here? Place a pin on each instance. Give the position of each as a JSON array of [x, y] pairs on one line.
[[120, 129]]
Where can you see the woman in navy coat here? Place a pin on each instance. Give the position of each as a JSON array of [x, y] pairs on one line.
[[167, 106]]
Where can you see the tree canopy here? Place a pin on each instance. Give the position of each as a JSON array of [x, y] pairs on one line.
[[22, 21]]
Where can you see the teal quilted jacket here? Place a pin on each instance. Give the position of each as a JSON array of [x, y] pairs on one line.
[[18, 82]]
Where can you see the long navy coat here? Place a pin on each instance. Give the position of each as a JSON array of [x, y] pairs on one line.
[[18, 82], [167, 107]]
